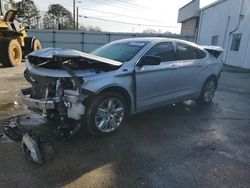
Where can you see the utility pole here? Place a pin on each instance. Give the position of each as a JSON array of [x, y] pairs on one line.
[[74, 14], [77, 19]]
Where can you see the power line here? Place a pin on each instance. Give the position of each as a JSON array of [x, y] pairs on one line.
[[116, 14], [121, 22], [105, 12], [110, 3], [127, 23], [126, 4]]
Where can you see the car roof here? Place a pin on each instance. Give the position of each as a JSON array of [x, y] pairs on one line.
[[156, 40]]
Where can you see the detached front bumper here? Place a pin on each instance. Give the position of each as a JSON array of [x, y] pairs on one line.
[[38, 104]]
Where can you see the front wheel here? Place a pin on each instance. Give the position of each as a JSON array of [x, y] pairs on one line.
[[106, 113], [11, 53], [208, 91]]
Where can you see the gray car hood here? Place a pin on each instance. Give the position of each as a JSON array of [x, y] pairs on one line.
[[49, 53]]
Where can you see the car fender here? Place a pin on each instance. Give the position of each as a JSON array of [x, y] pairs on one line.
[[212, 69], [98, 85]]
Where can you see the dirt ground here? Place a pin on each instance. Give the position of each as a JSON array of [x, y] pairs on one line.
[[182, 145], [11, 81]]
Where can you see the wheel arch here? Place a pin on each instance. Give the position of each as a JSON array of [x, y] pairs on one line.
[[213, 76], [119, 90]]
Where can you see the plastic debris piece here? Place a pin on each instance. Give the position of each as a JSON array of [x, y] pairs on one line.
[[64, 133], [13, 130], [31, 148]]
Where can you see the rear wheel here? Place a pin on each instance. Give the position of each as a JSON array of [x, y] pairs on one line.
[[11, 53], [37, 45], [106, 113], [208, 91]]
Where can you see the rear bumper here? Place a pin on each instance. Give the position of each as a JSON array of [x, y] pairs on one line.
[[38, 104]]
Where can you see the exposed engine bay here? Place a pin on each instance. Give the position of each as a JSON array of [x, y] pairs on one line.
[[62, 98]]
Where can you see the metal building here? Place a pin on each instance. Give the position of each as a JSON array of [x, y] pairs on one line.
[[226, 23], [189, 18]]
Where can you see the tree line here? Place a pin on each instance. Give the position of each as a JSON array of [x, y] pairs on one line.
[[57, 17]]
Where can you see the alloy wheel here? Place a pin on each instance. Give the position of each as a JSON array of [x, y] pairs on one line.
[[209, 90], [109, 115]]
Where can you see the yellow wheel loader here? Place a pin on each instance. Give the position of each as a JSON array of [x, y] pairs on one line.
[[14, 42]]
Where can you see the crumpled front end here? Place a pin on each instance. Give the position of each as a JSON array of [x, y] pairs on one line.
[[53, 96], [57, 76]]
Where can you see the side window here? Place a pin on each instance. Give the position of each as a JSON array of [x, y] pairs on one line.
[[214, 40], [201, 54], [235, 45], [186, 52], [165, 50]]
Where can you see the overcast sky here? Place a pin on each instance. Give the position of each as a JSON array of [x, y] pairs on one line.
[[147, 12]]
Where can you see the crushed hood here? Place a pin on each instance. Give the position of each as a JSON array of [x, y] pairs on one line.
[[50, 53]]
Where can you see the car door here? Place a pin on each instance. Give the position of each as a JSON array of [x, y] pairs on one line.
[[155, 84], [190, 63]]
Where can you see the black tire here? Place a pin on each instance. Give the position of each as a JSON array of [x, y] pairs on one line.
[[28, 46], [91, 112], [31, 44], [36, 45], [10, 53], [206, 98]]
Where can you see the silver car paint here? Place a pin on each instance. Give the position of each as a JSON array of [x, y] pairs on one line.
[[152, 86]]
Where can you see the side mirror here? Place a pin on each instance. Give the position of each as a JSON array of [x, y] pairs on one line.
[[149, 60]]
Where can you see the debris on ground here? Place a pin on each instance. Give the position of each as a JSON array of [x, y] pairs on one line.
[[13, 130], [31, 148], [36, 148], [66, 130]]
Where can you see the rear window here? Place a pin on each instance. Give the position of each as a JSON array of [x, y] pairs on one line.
[[120, 51]]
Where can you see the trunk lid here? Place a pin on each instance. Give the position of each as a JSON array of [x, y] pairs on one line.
[[214, 50]]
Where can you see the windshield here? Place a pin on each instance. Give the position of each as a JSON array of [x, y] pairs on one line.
[[122, 52], [5, 6]]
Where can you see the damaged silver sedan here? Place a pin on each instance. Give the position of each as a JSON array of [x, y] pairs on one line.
[[101, 89]]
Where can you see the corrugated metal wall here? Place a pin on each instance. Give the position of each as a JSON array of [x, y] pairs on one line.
[[87, 41], [222, 20]]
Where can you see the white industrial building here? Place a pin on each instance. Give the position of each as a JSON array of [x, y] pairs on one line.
[[224, 23]]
